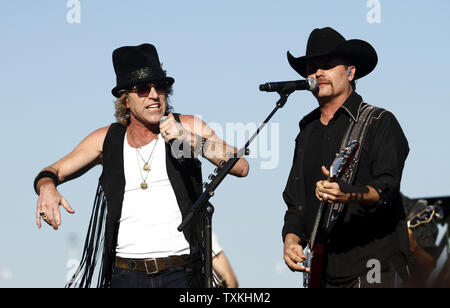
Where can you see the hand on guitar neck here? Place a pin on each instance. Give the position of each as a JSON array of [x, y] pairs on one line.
[[366, 195]]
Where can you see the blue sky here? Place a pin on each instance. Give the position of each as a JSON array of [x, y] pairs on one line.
[[57, 77]]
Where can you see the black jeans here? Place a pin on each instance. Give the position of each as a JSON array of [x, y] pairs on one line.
[[177, 277], [388, 275]]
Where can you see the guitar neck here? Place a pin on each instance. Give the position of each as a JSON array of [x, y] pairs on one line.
[[318, 222], [316, 226]]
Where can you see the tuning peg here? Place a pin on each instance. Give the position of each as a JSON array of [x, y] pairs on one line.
[[211, 177], [222, 163], [216, 170]]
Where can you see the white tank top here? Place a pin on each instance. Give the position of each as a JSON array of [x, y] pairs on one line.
[[150, 217]]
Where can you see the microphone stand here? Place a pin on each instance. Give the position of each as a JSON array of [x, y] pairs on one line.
[[220, 173]]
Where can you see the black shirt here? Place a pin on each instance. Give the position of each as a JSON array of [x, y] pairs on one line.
[[362, 233]]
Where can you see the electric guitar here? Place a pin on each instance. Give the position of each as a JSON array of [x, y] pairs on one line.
[[326, 216]]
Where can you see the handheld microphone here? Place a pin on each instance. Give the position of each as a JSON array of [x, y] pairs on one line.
[[163, 118], [309, 84], [176, 147]]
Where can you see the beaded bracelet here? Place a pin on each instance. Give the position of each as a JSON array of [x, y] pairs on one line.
[[199, 146], [205, 142]]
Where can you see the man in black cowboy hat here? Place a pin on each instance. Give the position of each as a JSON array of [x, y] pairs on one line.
[[370, 227], [144, 191]]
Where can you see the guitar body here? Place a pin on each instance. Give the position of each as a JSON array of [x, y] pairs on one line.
[[316, 256], [318, 262]]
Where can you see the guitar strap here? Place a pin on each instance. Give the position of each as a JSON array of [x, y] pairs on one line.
[[356, 131]]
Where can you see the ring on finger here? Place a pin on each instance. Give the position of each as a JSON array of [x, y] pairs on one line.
[[42, 214], [325, 197]]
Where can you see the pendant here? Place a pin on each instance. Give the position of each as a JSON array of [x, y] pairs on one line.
[[144, 185], [146, 167]]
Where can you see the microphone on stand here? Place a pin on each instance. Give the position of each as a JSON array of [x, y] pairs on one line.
[[309, 84]]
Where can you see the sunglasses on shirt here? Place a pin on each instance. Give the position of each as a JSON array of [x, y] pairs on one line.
[[143, 90]]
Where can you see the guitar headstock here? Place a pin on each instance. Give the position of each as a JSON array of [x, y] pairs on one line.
[[343, 159], [425, 216]]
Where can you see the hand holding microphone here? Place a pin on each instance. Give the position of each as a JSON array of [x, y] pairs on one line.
[[175, 135], [170, 129]]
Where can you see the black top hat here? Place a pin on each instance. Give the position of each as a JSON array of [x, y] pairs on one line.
[[137, 64], [327, 42]]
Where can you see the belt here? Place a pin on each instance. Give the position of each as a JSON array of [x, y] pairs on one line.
[[152, 266]]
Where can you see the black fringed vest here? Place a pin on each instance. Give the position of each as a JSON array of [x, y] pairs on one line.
[[186, 180]]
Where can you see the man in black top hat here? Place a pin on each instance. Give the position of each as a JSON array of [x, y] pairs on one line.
[[371, 225], [142, 90]]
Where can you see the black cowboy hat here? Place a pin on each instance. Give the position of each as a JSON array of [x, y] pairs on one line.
[[137, 64], [328, 42]]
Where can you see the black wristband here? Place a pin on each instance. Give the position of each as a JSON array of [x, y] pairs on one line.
[[45, 174]]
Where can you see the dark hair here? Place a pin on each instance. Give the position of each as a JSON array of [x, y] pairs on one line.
[[347, 63], [353, 84]]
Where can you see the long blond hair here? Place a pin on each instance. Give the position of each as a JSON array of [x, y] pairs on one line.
[[122, 113]]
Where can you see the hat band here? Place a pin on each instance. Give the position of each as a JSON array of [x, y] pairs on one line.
[[142, 74]]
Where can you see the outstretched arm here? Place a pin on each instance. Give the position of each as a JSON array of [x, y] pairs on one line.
[[86, 155]]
